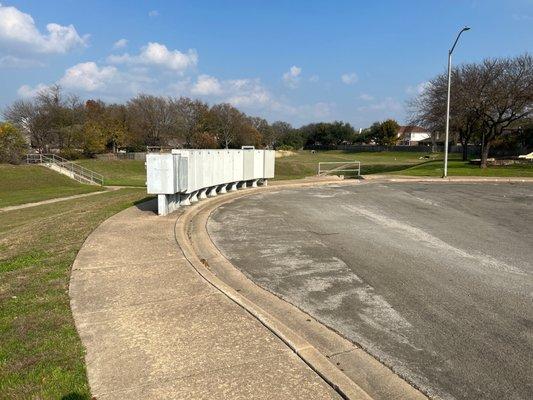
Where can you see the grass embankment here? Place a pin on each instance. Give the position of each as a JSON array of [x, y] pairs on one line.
[[41, 356], [118, 172], [304, 163], [464, 168], [30, 183]]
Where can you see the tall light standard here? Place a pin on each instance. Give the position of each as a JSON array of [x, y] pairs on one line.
[[445, 173]]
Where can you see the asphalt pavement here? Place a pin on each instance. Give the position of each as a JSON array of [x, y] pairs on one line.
[[434, 280]]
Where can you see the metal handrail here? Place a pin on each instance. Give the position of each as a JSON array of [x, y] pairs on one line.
[[79, 172]]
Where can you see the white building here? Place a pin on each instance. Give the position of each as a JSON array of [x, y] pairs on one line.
[[411, 135]]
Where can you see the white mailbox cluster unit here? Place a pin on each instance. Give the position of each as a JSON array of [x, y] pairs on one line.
[[183, 177]]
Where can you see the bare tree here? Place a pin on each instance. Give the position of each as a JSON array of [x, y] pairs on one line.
[[486, 99], [501, 95], [226, 121], [191, 117], [151, 119]]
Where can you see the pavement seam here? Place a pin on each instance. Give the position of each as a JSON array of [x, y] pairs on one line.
[[208, 371], [190, 300], [117, 264]]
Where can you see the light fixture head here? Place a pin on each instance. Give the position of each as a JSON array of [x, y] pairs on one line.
[[466, 28]]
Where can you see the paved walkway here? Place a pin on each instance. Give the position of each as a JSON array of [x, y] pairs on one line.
[[55, 200], [153, 328]]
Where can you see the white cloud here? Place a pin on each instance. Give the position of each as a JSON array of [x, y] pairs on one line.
[[248, 93], [292, 76], [349, 78], [121, 43], [206, 85], [366, 97], [156, 54], [27, 91], [314, 78], [17, 62], [153, 13], [88, 76], [18, 32], [418, 89], [388, 105]]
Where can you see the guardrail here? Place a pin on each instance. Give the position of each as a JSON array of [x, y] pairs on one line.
[[183, 177], [64, 166], [341, 168]]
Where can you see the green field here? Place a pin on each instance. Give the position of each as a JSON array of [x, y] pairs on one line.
[[41, 356], [464, 168], [29, 183], [304, 163], [118, 172]]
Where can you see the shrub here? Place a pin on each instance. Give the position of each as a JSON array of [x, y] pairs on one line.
[[71, 154], [13, 146]]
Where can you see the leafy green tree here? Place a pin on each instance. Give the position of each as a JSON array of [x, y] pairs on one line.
[[385, 133], [13, 146]]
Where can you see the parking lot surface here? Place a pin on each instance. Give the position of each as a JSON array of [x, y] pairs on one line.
[[434, 280]]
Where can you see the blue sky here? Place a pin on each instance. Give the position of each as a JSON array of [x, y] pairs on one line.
[[298, 61]]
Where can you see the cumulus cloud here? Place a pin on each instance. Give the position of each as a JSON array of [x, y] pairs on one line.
[[417, 89], [206, 85], [19, 33], [349, 78], [248, 92], [121, 43], [157, 54], [292, 76], [88, 76], [153, 13], [28, 91]]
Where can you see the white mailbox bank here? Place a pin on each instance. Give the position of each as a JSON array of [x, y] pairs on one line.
[[183, 177]]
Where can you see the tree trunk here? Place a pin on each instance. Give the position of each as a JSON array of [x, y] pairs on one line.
[[465, 151], [485, 155]]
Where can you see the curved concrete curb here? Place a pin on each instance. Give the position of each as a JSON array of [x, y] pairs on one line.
[[319, 346]]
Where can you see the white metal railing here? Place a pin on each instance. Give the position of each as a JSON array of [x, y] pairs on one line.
[[77, 172], [342, 167]]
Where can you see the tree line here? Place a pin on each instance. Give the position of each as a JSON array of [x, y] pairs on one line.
[[58, 121], [491, 104]]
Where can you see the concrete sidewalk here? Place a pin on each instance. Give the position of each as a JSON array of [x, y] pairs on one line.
[[153, 328]]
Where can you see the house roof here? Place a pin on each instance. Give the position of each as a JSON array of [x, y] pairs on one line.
[[411, 129]]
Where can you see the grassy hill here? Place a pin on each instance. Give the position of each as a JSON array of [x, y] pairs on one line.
[[29, 183], [464, 168], [118, 172], [304, 163]]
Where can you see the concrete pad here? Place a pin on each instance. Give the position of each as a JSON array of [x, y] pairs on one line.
[[268, 379], [153, 328], [119, 286]]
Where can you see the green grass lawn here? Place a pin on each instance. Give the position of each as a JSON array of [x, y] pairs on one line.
[[29, 183], [305, 163], [118, 172], [464, 168], [41, 355]]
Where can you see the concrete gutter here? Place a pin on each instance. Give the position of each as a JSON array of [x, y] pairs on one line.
[[347, 368]]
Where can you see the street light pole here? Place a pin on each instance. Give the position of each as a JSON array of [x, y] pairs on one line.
[[445, 172]]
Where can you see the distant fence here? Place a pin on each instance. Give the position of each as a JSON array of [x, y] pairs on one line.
[[141, 156], [473, 150]]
